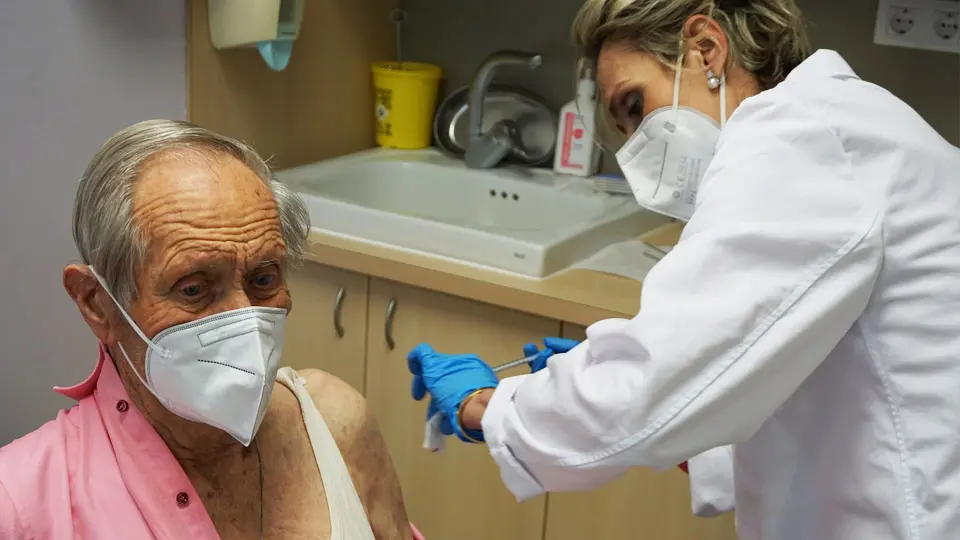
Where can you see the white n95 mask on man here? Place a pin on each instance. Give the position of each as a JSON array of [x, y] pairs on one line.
[[218, 370], [666, 158]]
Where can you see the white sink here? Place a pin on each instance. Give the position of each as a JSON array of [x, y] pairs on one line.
[[530, 222]]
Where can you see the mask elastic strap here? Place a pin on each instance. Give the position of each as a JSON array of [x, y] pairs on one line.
[[723, 100], [160, 350], [142, 380], [676, 87]]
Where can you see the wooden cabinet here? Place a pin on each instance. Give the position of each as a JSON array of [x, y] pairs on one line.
[[327, 328], [456, 493], [640, 504]]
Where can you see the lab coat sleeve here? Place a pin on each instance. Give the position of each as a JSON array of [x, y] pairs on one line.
[[711, 482], [776, 265]]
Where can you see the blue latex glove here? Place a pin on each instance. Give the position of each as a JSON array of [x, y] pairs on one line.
[[449, 379], [445, 426], [552, 346]]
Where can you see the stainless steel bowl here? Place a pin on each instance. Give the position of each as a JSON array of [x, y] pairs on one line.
[[536, 122]]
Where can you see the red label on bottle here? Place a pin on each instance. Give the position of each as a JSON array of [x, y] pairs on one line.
[[569, 133]]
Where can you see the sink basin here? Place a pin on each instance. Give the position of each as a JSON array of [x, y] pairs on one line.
[[526, 221]]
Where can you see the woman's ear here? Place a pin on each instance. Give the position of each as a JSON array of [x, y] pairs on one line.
[[707, 46], [82, 287]]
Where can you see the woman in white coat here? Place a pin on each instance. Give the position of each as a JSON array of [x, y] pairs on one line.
[[803, 336]]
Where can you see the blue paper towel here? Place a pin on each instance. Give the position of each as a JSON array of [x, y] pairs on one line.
[[276, 53]]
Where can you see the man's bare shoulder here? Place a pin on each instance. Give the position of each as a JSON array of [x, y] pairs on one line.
[[342, 407], [358, 437]]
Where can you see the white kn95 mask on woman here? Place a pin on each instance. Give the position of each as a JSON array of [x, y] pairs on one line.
[[218, 370], [664, 161]]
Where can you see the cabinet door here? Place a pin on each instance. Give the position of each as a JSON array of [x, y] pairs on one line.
[[327, 328], [456, 493], [640, 504]]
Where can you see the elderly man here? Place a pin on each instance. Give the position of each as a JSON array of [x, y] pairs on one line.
[[187, 428]]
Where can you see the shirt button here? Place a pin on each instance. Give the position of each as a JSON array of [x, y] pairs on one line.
[[183, 499], [122, 406]]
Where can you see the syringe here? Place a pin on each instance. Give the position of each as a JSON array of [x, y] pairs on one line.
[[514, 363]]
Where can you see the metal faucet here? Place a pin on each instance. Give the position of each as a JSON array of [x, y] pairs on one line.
[[486, 150]]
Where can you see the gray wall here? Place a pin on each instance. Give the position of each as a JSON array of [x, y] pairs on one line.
[[458, 35], [71, 73]]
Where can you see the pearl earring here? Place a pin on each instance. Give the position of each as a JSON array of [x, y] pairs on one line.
[[713, 82]]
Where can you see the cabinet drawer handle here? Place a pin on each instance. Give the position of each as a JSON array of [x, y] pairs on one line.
[[337, 310], [388, 324]]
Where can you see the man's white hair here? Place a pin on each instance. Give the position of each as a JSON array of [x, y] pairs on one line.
[[104, 230]]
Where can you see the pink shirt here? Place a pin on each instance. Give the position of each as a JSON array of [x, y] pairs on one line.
[[99, 470]]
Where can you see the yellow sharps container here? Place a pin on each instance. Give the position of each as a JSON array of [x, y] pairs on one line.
[[405, 101]]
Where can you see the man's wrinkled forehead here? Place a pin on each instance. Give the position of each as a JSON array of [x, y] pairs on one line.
[[181, 171], [198, 202]]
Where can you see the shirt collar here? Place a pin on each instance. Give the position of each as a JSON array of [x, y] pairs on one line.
[[150, 472], [85, 388], [821, 64]]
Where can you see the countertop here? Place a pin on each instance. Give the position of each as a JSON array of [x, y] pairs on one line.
[[577, 296]]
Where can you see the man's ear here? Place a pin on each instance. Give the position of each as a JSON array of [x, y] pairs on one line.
[[86, 292], [707, 46]]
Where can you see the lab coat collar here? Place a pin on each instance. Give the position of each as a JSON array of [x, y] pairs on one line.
[[823, 63]]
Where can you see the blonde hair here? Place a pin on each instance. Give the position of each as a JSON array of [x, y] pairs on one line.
[[766, 37]]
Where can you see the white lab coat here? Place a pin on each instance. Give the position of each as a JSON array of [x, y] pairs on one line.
[[809, 317]]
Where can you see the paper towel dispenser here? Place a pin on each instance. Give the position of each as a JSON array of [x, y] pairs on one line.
[[269, 25]]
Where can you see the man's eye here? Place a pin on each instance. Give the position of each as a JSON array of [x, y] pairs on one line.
[[264, 281], [191, 291]]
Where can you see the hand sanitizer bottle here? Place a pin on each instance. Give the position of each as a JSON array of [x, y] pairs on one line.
[[577, 151]]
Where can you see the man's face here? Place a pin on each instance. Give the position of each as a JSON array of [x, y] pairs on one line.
[[214, 243]]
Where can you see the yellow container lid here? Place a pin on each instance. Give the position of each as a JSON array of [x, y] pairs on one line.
[[417, 70]]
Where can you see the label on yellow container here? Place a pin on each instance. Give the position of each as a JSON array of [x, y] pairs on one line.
[[405, 98], [384, 102]]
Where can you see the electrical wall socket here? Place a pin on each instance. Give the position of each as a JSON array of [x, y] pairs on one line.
[[946, 25], [919, 24], [901, 20]]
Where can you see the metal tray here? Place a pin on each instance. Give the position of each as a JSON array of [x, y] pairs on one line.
[[536, 121]]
